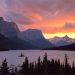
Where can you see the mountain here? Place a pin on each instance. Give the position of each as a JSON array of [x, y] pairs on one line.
[[66, 38], [8, 29], [35, 37], [14, 44], [3, 43], [20, 44], [8, 37], [70, 47], [61, 41]]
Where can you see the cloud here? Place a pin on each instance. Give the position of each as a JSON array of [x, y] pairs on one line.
[[19, 18], [34, 11], [3, 8], [69, 26]]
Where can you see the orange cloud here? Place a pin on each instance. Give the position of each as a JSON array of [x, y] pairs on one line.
[[36, 16], [54, 25]]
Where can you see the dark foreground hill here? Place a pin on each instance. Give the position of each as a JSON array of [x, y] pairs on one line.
[[70, 47]]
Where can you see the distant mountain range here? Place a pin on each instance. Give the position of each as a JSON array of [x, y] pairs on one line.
[[62, 41]]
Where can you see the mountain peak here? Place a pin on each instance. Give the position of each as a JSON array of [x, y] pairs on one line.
[[66, 37], [8, 29], [33, 30], [60, 41], [33, 33]]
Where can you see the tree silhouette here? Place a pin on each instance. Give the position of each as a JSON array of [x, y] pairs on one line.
[[45, 67], [25, 67], [4, 68]]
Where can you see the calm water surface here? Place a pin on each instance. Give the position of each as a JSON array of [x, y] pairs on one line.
[[12, 56]]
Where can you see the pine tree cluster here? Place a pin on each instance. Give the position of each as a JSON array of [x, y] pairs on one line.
[[45, 67]]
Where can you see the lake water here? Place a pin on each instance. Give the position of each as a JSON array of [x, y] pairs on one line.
[[12, 56]]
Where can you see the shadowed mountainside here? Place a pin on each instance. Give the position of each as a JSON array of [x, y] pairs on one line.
[[14, 44], [36, 38]]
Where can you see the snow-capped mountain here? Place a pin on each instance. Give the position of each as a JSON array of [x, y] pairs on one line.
[[61, 41]]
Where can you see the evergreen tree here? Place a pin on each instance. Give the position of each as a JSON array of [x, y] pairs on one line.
[[45, 58], [45, 67], [67, 69], [66, 60], [25, 67], [4, 68]]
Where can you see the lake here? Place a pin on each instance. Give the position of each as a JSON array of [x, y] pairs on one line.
[[12, 55]]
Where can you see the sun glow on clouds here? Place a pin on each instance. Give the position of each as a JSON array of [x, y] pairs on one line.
[[48, 36], [55, 25], [52, 17]]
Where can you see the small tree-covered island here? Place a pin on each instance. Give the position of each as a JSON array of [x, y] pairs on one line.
[[44, 67]]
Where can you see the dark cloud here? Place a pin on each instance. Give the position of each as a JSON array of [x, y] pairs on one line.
[[43, 8], [19, 18], [69, 26], [46, 9]]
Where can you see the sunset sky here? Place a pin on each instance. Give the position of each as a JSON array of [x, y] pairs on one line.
[[52, 17]]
